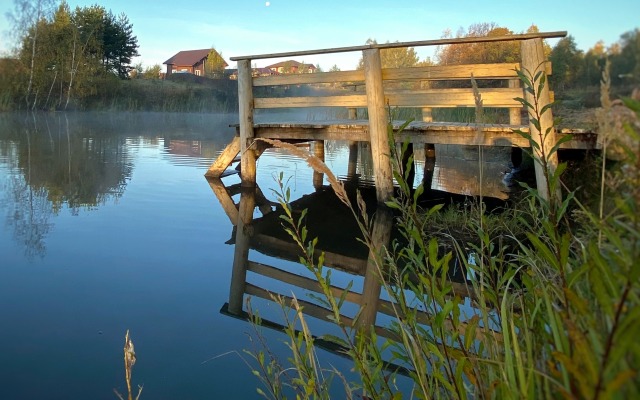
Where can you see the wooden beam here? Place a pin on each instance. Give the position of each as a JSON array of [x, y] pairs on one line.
[[532, 52], [378, 119], [301, 79], [436, 42], [500, 97], [319, 101], [225, 159], [245, 100]]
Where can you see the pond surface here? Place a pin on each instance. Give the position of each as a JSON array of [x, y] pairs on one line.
[[108, 225]]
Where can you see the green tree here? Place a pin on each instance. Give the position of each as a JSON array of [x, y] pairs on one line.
[[625, 64], [152, 72], [593, 64], [215, 64], [400, 57], [567, 62], [119, 45], [26, 19]]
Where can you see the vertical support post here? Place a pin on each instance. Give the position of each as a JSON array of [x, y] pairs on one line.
[[318, 151], [515, 117], [353, 150], [380, 150], [381, 236], [533, 61], [245, 100], [241, 250], [427, 114]]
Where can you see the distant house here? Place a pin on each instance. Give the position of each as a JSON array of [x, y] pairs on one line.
[[292, 67], [189, 61], [255, 72]]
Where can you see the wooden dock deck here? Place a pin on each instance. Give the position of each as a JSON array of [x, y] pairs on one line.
[[406, 87]]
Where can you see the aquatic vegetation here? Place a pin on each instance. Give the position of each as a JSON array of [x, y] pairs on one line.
[[553, 291]]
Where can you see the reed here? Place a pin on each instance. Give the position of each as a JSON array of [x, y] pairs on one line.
[[554, 288]]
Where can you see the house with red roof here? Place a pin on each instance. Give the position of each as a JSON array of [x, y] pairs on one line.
[[189, 61]]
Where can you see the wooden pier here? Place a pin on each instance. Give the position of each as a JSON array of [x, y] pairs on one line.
[[385, 88]]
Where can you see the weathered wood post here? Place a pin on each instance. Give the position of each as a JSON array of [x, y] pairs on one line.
[[241, 250], [381, 236], [381, 153], [533, 61], [318, 151], [515, 115], [245, 100]]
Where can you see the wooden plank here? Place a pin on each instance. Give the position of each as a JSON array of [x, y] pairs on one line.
[[422, 133], [301, 79], [320, 101], [436, 42], [453, 72], [448, 72], [225, 159], [502, 97]]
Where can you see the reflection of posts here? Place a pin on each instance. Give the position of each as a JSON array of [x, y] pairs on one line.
[[318, 151], [380, 238], [429, 167], [241, 251], [353, 161]]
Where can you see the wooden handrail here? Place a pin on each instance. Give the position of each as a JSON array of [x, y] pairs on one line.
[[435, 42]]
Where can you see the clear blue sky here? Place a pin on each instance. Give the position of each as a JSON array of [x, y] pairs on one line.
[[243, 27]]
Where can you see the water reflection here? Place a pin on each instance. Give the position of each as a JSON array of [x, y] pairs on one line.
[[261, 245], [81, 161]]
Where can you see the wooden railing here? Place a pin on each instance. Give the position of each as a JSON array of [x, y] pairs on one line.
[[379, 95]]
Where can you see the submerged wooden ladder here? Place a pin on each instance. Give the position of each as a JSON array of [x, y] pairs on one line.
[[402, 87]]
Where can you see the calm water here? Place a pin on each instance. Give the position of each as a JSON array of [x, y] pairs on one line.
[[108, 224]]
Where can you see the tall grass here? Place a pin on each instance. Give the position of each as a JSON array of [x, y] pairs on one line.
[[555, 288]]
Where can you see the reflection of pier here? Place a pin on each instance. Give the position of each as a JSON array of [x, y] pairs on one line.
[[341, 248]]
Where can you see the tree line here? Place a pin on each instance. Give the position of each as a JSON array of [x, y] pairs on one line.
[[572, 67], [65, 55]]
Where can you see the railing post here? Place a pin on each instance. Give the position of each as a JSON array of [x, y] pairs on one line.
[[245, 100], [515, 117], [533, 61], [380, 150]]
